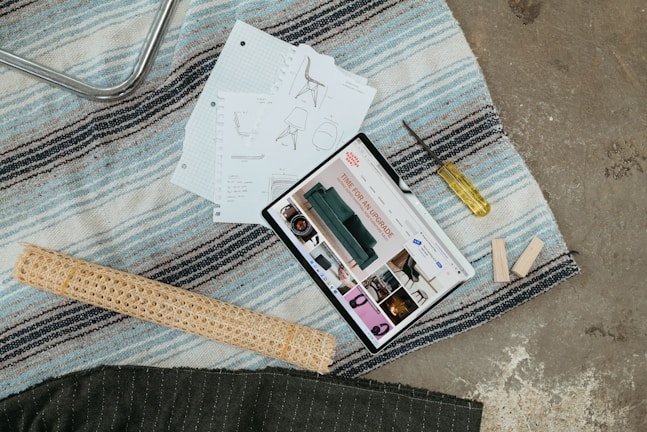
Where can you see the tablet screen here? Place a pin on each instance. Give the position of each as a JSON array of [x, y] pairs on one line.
[[368, 242]]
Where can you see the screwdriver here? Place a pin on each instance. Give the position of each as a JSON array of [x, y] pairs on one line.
[[456, 180]]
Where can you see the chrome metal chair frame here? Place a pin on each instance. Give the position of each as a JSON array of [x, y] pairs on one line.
[[67, 82]]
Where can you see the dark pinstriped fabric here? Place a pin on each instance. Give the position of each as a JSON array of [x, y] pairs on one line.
[[182, 400]]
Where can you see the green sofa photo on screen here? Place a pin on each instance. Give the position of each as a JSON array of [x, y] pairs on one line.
[[343, 223]]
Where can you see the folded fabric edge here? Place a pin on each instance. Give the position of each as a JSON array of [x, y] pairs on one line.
[[359, 383]]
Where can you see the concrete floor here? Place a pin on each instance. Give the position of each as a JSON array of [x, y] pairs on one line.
[[570, 81]]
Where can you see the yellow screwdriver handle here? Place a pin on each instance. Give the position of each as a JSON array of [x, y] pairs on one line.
[[464, 189]]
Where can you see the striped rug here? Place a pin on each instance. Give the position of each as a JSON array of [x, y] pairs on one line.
[[92, 179]]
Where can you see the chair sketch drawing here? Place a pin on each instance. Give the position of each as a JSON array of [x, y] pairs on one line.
[[325, 136], [311, 84], [296, 122]]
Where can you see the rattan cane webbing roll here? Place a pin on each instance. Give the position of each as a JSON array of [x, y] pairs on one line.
[[174, 307]]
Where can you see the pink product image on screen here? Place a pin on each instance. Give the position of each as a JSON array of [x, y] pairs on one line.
[[367, 312]]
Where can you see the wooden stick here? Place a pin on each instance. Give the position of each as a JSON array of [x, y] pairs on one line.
[[522, 266], [500, 261]]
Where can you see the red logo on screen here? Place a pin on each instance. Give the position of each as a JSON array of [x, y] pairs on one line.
[[352, 159]]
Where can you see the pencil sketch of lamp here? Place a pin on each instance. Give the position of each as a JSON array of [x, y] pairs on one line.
[[311, 84], [296, 122]]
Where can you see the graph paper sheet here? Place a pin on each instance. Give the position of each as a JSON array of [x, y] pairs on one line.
[[269, 113], [250, 61], [315, 107]]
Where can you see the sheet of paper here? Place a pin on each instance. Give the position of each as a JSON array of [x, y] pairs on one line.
[[238, 115], [250, 61], [315, 109], [228, 165]]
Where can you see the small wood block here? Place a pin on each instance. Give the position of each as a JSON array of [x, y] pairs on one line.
[[522, 266], [500, 261]]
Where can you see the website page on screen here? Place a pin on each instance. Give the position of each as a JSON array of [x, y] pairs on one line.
[[369, 242]]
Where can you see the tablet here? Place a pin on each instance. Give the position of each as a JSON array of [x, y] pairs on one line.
[[368, 242]]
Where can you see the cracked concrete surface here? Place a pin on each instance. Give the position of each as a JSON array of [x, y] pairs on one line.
[[522, 398], [570, 82]]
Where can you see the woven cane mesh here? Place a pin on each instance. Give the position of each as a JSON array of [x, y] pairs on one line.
[[174, 307]]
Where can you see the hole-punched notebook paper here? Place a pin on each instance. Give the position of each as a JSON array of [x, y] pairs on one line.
[[243, 148], [250, 61]]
